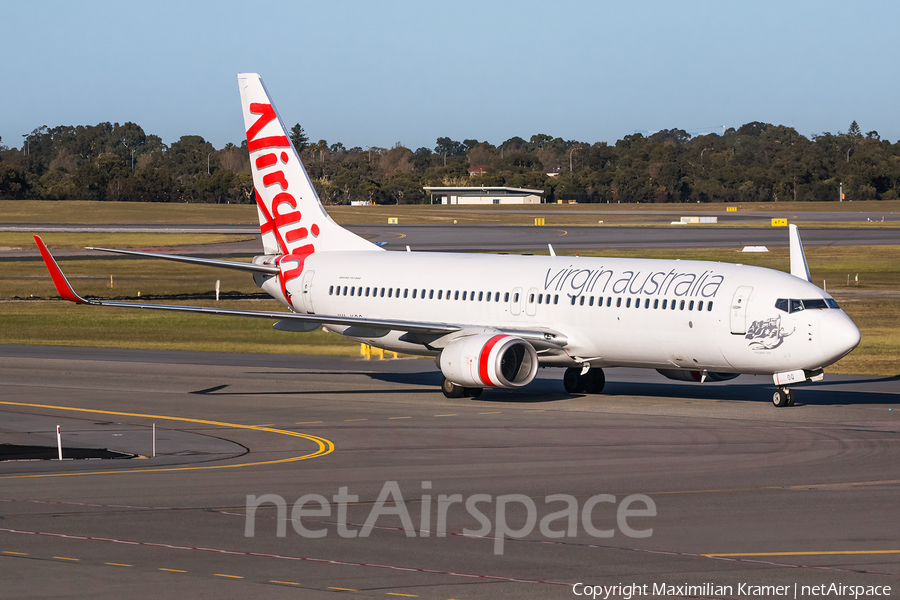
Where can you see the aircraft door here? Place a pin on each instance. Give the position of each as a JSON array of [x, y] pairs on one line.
[[530, 302], [515, 301], [739, 309], [306, 292]]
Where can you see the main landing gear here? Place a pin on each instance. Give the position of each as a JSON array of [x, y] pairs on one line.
[[783, 397], [591, 382], [451, 390]]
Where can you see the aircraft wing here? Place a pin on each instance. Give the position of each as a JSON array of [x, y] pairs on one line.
[[539, 338]]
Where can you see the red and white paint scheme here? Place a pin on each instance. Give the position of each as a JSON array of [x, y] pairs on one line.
[[491, 320]]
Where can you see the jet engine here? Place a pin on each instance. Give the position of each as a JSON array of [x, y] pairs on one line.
[[489, 360], [696, 376]]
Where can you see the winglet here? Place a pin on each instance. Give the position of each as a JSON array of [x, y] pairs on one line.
[[59, 280], [798, 258]]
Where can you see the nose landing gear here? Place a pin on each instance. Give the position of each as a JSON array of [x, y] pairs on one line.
[[782, 397]]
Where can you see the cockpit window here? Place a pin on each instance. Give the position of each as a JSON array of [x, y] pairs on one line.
[[816, 303], [792, 305]]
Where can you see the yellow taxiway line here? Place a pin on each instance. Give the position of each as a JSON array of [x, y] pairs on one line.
[[325, 446]]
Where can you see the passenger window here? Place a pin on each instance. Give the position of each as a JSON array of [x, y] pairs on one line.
[[664, 304], [331, 291], [352, 289], [382, 292], [488, 298], [556, 299], [647, 303], [709, 306], [345, 290], [618, 302], [390, 292], [581, 302], [574, 298], [591, 301], [516, 297], [406, 293], [496, 296], [682, 305], [464, 295], [673, 304], [414, 293], [628, 302], [440, 294], [609, 301], [540, 298], [480, 296], [367, 292], [456, 295], [506, 297], [472, 295], [531, 299], [691, 305], [700, 305], [656, 304]]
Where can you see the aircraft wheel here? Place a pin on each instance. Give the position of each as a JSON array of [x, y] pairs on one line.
[[781, 398], [473, 392], [790, 395], [451, 390], [573, 381], [594, 381]]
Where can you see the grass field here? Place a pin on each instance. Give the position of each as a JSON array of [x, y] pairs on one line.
[[17, 241], [35, 211], [59, 323], [865, 280], [875, 267]]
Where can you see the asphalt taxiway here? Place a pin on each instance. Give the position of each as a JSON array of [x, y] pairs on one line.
[[743, 492], [486, 238]]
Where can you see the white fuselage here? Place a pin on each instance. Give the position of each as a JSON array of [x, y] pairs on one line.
[[663, 314]]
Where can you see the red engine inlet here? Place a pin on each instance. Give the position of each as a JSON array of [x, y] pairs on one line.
[[489, 360]]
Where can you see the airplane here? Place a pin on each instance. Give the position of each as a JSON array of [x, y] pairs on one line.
[[490, 320]]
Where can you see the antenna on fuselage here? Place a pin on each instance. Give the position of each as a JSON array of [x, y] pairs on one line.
[[799, 267]]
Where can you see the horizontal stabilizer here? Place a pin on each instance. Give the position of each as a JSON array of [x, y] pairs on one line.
[[210, 262]]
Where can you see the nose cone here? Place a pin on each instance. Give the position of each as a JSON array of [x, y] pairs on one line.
[[838, 335]]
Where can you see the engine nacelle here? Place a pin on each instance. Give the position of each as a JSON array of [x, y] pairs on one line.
[[489, 360], [695, 376]]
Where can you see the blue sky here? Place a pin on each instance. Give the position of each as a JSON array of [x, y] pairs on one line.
[[378, 73]]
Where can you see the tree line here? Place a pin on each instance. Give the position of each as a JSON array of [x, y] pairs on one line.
[[757, 162]]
